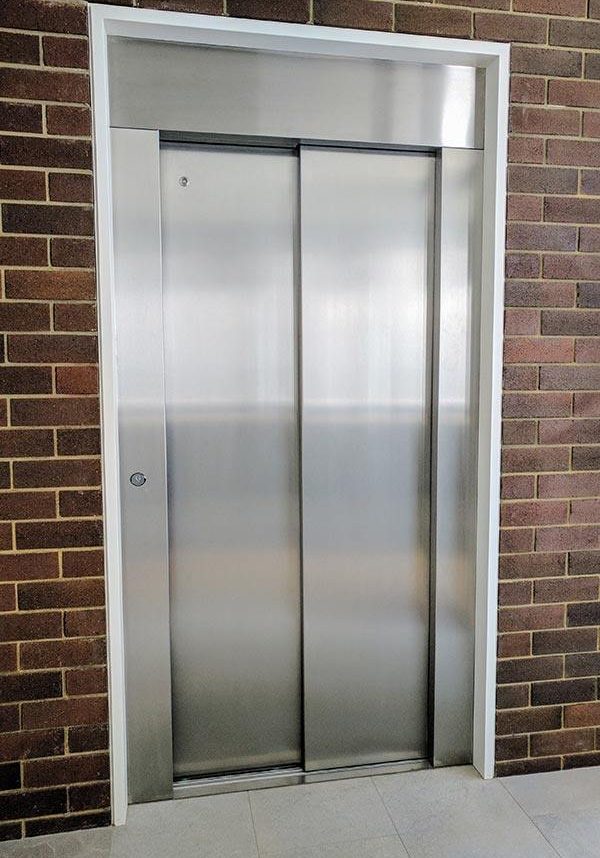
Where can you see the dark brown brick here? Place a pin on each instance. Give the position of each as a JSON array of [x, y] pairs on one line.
[[545, 61], [570, 8], [20, 316], [514, 593], [65, 53], [524, 207], [528, 513], [517, 540], [25, 379], [72, 252], [25, 505], [63, 712], [515, 460], [514, 721], [590, 182], [524, 618], [22, 185], [510, 28], [45, 152], [74, 822], [521, 321], [550, 293], [30, 686], [584, 563], [8, 658], [82, 564], [72, 442], [44, 85], [10, 776], [54, 285], [523, 265], [59, 534], [60, 17], [571, 210], [583, 614], [586, 404], [511, 747], [569, 431], [71, 187], [530, 669], [566, 589], [53, 348], [19, 48], [28, 567], [24, 443], [568, 485], [521, 236], [44, 473], [69, 411], [88, 738], [25, 744], [520, 377], [563, 691], [563, 641], [542, 180], [412, 18], [77, 379], [35, 803], [69, 120], [512, 696], [577, 34], [570, 323], [570, 378], [517, 432], [86, 623], [561, 742], [588, 295], [585, 511], [582, 714], [75, 317], [517, 485], [92, 680], [89, 796], [362, 14], [48, 219], [583, 664], [33, 626], [577, 761], [66, 770], [527, 90], [23, 251], [555, 404], [9, 718], [62, 653], [75, 504], [528, 767], [586, 458]]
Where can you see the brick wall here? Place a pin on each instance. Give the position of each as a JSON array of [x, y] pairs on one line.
[[54, 766]]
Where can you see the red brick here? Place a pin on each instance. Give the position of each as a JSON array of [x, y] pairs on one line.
[[590, 182], [577, 34], [585, 511], [523, 265], [521, 321], [530, 513], [524, 207], [555, 404], [516, 486], [586, 405], [527, 90], [530, 459], [585, 377], [432, 20], [538, 350], [53, 285], [576, 93], [591, 123], [521, 236], [550, 293], [546, 120], [569, 431], [526, 150], [514, 593], [582, 714], [589, 241], [61, 713], [569, 485], [520, 377], [566, 538]]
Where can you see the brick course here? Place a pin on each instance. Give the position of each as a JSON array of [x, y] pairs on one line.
[[53, 708]]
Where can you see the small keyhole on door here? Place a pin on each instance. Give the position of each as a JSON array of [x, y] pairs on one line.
[[184, 181], [138, 479]]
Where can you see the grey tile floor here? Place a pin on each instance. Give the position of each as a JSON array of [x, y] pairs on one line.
[[442, 813]]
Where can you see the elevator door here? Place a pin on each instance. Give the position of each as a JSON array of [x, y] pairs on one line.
[[229, 246], [367, 225]]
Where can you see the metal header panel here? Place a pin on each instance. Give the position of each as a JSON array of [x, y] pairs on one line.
[[216, 91]]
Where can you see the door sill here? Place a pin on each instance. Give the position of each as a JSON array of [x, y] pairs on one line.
[[214, 785]]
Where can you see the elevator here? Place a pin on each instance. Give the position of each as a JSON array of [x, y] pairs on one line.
[[297, 434]]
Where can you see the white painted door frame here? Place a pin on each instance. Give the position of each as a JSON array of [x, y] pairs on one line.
[[180, 28]]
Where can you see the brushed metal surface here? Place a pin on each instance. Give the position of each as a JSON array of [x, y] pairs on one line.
[[138, 316], [229, 248], [224, 91], [454, 449], [366, 229]]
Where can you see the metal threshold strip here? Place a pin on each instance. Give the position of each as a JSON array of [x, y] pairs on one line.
[[189, 788]]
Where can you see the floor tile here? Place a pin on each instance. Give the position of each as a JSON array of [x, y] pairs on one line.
[[565, 806], [374, 847], [217, 826], [78, 844], [456, 814], [325, 814]]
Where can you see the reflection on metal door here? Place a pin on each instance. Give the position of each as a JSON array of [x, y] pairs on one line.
[[367, 220], [229, 227], [237, 380]]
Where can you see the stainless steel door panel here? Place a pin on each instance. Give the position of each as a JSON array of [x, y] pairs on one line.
[[229, 236], [366, 229]]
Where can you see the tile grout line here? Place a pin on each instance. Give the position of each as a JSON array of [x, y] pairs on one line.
[[381, 798], [533, 822], [252, 821]]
